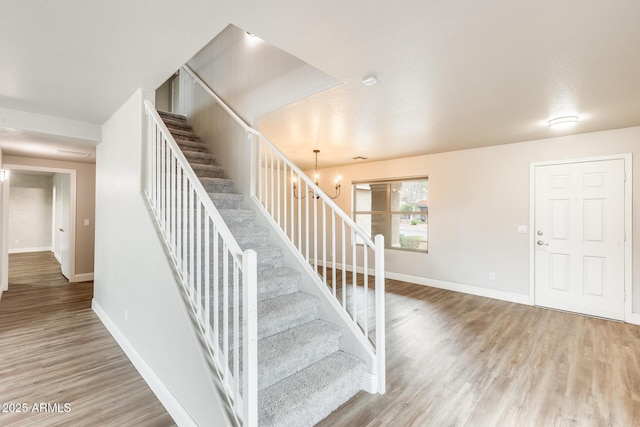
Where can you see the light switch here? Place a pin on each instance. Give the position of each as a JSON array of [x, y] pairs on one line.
[[523, 229], [86, 222]]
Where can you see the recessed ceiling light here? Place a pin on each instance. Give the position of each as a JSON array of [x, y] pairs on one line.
[[369, 80], [563, 122]]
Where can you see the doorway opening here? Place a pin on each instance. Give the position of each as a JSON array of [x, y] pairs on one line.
[[39, 215]]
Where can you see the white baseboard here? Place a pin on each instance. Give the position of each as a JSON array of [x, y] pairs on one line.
[[27, 250], [369, 383], [166, 398], [633, 318], [82, 277], [451, 286], [458, 287]]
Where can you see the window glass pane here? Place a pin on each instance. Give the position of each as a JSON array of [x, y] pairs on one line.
[[409, 231], [398, 210], [370, 197], [409, 196], [362, 197], [372, 224]]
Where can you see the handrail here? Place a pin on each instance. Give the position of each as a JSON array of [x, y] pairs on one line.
[[219, 100], [272, 194], [210, 264]]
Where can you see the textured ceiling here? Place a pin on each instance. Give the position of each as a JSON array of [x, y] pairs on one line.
[[452, 74]]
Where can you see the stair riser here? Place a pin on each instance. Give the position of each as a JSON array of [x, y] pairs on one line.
[[172, 116], [301, 312], [184, 134], [266, 259], [218, 188], [298, 314], [266, 289], [252, 241], [191, 145], [199, 158], [208, 172], [276, 287], [177, 125], [226, 203], [239, 222]]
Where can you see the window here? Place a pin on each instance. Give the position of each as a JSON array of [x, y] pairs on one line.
[[397, 209]]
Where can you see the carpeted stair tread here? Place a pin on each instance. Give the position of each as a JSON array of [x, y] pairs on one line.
[[199, 157], [278, 281], [172, 116], [184, 134], [273, 282], [178, 124], [305, 398], [250, 237], [284, 312], [238, 217], [191, 145], [268, 257], [227, 200], [207, 171], [175, 123], [217, 185], [291, 351]]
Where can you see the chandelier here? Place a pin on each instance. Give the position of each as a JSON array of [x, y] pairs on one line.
[[316, 177]]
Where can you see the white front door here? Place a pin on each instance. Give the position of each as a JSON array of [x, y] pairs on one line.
[[579, 247]]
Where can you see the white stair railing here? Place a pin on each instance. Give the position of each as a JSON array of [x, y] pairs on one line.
[[319, 230], [214, 272]]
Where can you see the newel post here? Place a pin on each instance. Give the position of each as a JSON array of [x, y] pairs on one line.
[[381, 364]]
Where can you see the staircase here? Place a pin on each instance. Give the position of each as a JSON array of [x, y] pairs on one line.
[[302, 374]]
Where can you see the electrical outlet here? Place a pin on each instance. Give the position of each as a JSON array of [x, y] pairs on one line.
[[523, 229], [492, 276], [126, 315]]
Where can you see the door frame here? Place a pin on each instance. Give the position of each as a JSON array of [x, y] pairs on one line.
[[629, 316], [72, 213]]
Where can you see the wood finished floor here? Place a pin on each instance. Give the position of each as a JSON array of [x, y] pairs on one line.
[[461, 360], [53, 349]]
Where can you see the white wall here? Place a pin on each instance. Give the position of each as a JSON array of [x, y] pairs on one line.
[[134, 282], [30, 212], [477, 199], [254, 77]]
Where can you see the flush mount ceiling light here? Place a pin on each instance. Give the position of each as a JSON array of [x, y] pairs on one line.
[[563, 122], [369, 80]]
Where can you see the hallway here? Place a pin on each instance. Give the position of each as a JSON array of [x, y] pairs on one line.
[[54, 351]]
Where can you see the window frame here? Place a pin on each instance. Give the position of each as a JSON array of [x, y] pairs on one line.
[[388, 213]]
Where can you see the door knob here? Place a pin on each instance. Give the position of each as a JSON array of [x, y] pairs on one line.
[[62, 230], [541, 243]]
